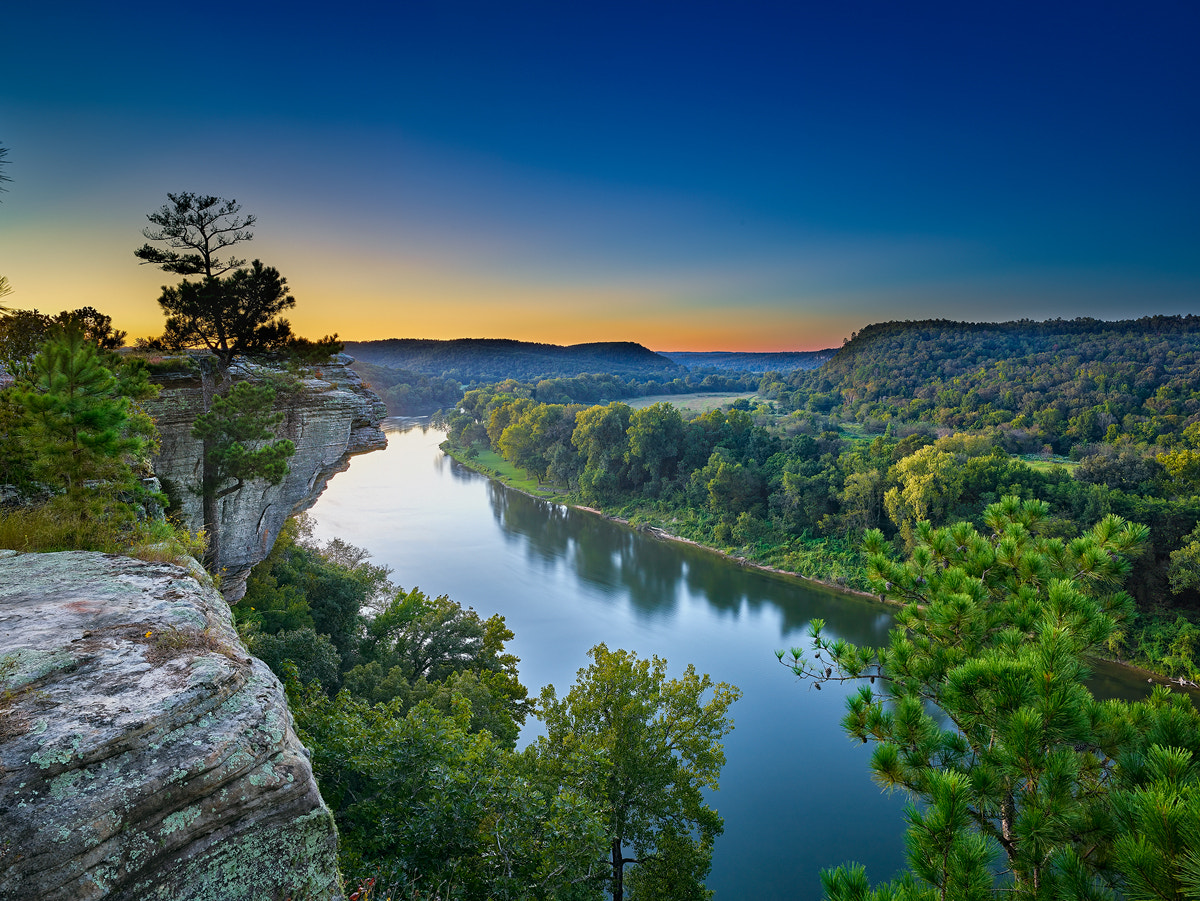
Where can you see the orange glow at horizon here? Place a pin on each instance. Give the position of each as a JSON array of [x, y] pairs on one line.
[[365, 298]]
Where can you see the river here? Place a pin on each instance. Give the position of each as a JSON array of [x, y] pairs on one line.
[[795, 793]]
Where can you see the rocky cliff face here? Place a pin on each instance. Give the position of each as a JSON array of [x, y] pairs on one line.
[[330, 416], [143, 753]]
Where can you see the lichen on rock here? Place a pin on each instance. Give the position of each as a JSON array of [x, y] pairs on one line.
[[143, 752]]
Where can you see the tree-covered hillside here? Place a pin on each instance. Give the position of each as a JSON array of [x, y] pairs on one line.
[[785, 361], [616, 374], [496, 359], [1058, 383]]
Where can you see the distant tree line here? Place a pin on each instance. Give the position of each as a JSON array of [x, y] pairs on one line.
[[413, 394], [1057, 384], [479, 360]]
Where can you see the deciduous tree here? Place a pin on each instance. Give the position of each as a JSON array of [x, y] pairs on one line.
[[420, 647], [654, 744], [433, 808]]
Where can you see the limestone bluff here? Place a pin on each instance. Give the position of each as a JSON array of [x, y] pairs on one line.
[[329, 415]]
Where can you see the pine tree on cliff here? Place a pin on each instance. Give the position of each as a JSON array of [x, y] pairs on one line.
[[229, 315], [238, 447]]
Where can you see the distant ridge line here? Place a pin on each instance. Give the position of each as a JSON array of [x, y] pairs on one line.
[[470, 359]]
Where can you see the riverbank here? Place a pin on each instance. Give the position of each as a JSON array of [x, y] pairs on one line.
[[490, 464]]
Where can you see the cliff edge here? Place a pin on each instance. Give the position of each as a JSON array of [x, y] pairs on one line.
[[143, 753], [330, 416]]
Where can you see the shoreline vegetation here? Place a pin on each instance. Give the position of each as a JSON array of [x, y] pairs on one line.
[[496, 468], [909, 426], [491, 465]]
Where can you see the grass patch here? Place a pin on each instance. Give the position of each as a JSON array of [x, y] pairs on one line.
[[854, 431], [699, 402], [57, 526], [1046, 462], [167, 644], [491, 464]]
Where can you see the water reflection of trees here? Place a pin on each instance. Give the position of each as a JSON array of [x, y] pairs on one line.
[[649, 571]]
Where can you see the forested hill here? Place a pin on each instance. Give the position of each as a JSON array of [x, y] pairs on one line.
[[495, 359], [736, 361], [1065, 380]]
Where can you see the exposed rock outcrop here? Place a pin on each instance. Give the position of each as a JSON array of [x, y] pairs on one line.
[[330, 416], [143, 753]]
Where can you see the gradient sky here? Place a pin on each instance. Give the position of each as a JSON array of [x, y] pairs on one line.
[[691, 176]]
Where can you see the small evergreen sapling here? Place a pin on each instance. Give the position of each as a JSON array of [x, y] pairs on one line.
[[238, 446]]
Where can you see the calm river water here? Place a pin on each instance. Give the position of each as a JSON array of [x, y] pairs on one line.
[[795, 792]]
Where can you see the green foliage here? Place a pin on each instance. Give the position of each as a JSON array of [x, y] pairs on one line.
[[425, 803], [17, 457], [23, 332], [231, 316], [1158, 848], [653, 744], [1167, 645], [1060, 383], [601, 440], [408, 393], [415, 753], [1184, 571], [71, 435], [981, 712], [796, 494], [429, 649], [656, 444], [77, 427], [313, 353], [307, 600], [58, 526], [314, 656], [234, 432], [324, 590]]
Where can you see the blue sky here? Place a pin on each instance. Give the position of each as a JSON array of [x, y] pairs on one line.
[[690, 176]]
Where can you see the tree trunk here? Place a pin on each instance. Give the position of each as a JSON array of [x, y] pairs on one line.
[[618, 864], [1008, 819], [208, 479], [212, 524]]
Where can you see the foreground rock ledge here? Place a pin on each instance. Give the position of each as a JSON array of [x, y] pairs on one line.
[[143, 753]]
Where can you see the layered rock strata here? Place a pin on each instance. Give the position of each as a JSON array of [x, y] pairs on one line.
[[143, 753], [330, 416]]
